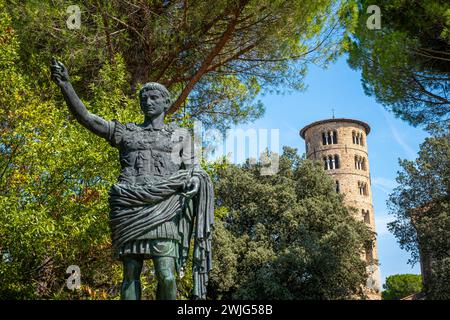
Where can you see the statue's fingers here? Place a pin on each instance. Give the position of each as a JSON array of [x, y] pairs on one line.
[[55, 67], [193, 188], [56, 78], [196, 186], [63, 67], [190, 193]]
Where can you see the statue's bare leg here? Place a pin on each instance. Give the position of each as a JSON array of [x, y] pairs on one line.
[[131, 285], [165, 273]]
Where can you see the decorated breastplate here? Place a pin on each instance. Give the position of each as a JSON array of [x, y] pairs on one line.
[[147, 155]]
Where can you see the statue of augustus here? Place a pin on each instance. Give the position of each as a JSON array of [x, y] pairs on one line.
[[162, 199]]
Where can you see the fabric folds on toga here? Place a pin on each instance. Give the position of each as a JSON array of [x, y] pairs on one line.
[[137, 208]]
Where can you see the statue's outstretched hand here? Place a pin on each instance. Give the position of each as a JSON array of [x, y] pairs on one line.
[[59, 72], [192, 187]]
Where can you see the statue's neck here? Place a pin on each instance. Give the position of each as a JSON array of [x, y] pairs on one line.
[[156, 122]]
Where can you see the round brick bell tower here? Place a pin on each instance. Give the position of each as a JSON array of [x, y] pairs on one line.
[[340, 144]]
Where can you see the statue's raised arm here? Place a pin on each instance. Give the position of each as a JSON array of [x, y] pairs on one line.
[[94, 123]]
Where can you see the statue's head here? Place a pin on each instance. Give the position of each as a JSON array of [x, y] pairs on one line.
[[154, 99]]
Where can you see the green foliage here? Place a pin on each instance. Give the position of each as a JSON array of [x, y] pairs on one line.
[[421, 207], [54, 209], [285, 236], [405, 64], [222, 56], [438, 287], [401, 285]]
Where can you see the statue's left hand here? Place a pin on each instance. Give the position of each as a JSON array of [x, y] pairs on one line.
[[192, 187]]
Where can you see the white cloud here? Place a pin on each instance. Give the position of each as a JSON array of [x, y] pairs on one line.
[[398, 138], [384, 184], [381, 222], [293, 131]]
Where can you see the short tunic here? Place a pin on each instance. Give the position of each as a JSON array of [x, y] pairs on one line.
[[148, 155]]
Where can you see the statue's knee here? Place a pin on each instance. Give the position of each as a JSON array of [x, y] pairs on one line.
[[167, 278], [132, 269]]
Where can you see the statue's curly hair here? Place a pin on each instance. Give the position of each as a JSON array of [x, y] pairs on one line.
[[156, 86]]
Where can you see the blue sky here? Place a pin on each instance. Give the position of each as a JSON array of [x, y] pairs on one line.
[[338, 87]]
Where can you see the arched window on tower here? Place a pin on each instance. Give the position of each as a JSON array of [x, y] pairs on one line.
[[362, 187], [329, 137], [325, 163], [360, 163], [366, 216], [335, 137], [331, 161], [337, 164], [359, 138], [338, 189]]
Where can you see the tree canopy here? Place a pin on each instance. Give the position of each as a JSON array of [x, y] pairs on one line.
[[401, 285], [406, 64], [421, 207], [53, 202], [285, 236], [214, 58]]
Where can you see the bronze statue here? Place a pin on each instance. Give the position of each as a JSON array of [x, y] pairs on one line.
[[162, 198]]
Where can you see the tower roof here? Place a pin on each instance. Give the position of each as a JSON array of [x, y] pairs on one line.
[[361, 123]]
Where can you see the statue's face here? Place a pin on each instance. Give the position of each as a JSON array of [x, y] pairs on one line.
[[153, 103]]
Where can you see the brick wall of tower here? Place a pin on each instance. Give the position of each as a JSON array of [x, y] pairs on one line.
[[348, 175]]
